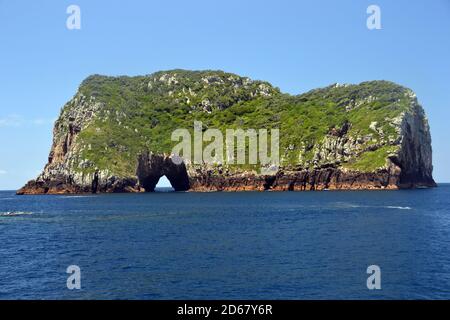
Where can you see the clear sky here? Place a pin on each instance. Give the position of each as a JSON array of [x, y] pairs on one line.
[[295, 45]]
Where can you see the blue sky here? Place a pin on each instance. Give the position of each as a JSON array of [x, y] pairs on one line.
[[295, 45]]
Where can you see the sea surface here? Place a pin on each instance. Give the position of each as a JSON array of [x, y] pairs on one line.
[[243, 245]]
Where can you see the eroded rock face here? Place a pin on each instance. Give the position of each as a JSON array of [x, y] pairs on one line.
[[59, 175], [415, 156], [300, 180]]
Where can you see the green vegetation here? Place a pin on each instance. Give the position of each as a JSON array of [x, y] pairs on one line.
[[372, 160], [140, 113]]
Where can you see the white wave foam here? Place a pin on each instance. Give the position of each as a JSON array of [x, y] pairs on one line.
[[74, 197], [398, 207], [351, 205], [14, 213]]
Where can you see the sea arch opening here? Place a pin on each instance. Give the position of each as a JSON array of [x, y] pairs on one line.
[[164, 185], [153, 168]]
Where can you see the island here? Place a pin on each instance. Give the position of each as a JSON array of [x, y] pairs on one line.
[[115, 135]]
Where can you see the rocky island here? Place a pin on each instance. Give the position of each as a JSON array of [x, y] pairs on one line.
[[114, 135]]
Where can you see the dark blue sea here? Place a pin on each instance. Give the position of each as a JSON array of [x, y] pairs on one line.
[[244, 245]]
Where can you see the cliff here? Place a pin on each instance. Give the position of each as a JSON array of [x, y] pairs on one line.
[[114, 135]]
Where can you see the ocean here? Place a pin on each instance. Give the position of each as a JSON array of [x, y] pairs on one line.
[[227, 245]]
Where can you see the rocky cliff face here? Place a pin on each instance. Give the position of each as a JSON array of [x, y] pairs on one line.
[[114, 135]]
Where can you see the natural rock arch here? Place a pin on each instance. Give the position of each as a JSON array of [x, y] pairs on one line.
[[152, 167]]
